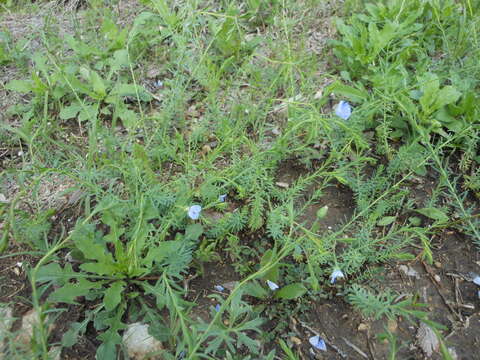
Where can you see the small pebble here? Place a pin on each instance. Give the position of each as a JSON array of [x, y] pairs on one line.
[[392, 325], [206, 149], [362, 327], [230, 285], [29, 321], [295, 340], [283, 185], [6, 317], [138, 342], [54, 353], [276, 131]]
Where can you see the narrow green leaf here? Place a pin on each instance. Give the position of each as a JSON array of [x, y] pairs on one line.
[[69, 112], [254, 289], [447, 95], [291, 291], [434, 214], [98, 85], [22, 86], [273, 273], [54, 272], [322, 212], [387, 220], [347, 91], [113, 295], [193, 232], [70, 291]]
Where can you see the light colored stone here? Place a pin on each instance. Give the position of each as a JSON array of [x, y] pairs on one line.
[[407, 270], [29, 321], [6, 322], [392, 325], [453, 353], [139, 343], [230, 285], [427, 339], [295, 340], [362, 327], [55, 352]]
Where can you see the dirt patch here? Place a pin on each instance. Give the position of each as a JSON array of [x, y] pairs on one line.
[[202, 286], [341, 206], [451, 301], [14, 284]]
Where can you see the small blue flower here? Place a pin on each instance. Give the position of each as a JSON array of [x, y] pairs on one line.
[[318, 343], [194, 212], [272, 285], [337, 273], [222, 198], [343, 110], [219, 288], [217, 307]]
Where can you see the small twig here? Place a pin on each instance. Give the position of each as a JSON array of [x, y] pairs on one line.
[[186, 282], [458, 298], [466, 325], [354, 347], [437, 286], [16, 291], [465, 306], [371, 345]]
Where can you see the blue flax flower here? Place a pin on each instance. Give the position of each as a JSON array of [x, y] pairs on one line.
[[343, 110], [318, 343], [337, 273], [194, 212], [272, 285]]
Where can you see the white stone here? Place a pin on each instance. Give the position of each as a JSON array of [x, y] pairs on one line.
[[407, 270], [55, 352], [6, 322], [29, 321], [139, 343]]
